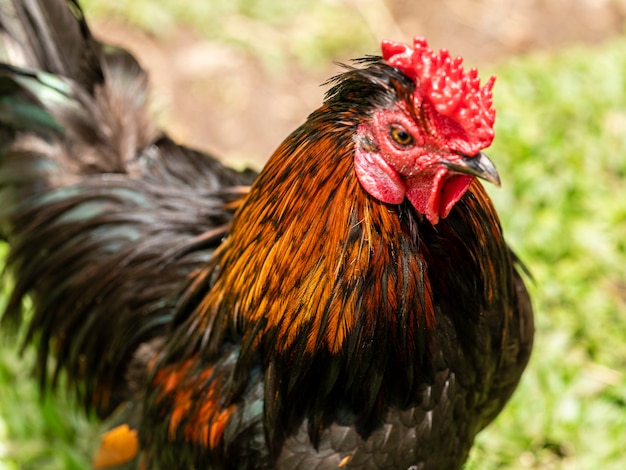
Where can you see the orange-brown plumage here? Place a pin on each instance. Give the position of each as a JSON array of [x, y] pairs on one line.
[[357, 308], [296, 230]]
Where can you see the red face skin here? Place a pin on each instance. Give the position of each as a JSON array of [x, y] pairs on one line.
[[431, 162], [396, 157]]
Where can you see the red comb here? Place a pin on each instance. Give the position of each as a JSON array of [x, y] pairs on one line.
[[454, 93]]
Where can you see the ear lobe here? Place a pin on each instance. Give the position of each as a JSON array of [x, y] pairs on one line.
[[377, 177]]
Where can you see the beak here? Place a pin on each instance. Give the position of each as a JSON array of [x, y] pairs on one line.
[[477, 165]]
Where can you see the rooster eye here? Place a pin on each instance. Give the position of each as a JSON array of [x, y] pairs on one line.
[[401, 136]]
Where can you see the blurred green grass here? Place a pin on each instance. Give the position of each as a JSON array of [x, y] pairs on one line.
[[561, 151]]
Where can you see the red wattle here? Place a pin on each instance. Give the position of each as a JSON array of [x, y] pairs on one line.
[[435, 193], [453, 189]]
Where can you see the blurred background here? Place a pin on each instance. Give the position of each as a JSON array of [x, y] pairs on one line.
[[235, 77]]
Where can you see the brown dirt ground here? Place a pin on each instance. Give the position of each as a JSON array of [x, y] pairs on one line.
[[224, 101]]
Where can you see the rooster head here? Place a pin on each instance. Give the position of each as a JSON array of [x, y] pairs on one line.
[[428, 145]]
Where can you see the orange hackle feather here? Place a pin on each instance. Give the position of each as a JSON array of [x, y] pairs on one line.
[[323, 210]]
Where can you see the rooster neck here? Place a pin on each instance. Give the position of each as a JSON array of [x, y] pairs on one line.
[[315, 263], [318, 281]]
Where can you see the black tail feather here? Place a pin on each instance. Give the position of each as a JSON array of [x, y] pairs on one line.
[[53, 36], [106, 216]]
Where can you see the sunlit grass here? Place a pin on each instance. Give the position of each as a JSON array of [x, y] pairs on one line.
[[39, 433]]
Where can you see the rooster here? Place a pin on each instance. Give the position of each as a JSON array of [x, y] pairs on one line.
[[352, 306]]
